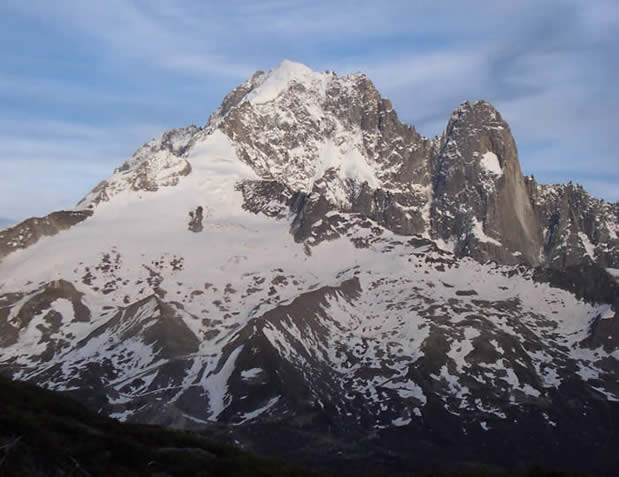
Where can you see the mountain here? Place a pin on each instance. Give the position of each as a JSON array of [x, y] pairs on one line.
[[309, 268], [45, 434]]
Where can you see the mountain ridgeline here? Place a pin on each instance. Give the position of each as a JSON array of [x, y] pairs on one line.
[[309, 268]]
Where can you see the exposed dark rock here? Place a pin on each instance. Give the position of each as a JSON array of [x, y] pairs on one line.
[[28, 232], [195, 219], [464, 187], [579, 229], [270, 198]]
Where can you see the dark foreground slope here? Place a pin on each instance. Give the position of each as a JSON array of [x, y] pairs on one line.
[[581, 442], [44, 433]]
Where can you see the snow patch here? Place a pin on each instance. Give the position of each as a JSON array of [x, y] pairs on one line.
[[400, 421], [277, 80], [216, 384], [257, 412], [586, 243], [251, 373], [65, 308], [461, 349], [122, 416], [347, 160], [478, 232], [490, 162], [215, 159]]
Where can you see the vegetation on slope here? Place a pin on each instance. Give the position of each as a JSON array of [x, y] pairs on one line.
[[43, 433]]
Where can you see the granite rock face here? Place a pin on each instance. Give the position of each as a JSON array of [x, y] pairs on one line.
[[480, 196], [158, 163]]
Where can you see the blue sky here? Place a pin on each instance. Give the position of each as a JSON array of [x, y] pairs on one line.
[[83, 84]]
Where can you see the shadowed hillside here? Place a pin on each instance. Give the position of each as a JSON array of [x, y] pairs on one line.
[[43, 433]]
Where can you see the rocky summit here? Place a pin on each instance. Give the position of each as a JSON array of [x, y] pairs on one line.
[[309, 277]]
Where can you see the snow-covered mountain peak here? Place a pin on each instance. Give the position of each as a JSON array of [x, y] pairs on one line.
[[291, 124], [289, 77], [267, 86]]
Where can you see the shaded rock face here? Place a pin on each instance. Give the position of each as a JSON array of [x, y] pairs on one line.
[[271, 198], [480, 195], [149, 323], [30, 231], [593, 284]]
